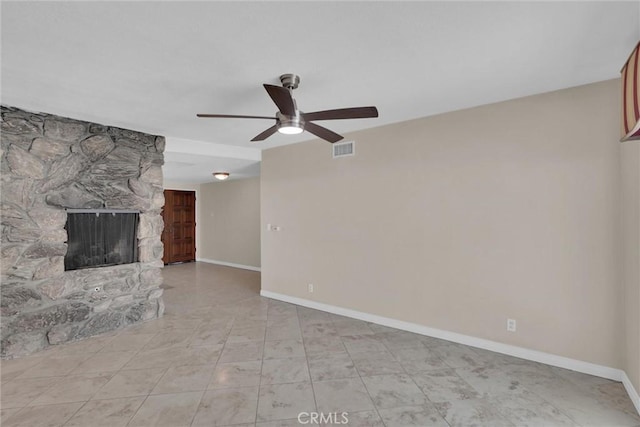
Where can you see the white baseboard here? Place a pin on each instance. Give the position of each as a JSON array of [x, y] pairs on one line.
[[228, 264], [631, 391], [511, 350]]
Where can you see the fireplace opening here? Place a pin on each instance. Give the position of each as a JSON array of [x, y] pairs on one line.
[[99, 237]]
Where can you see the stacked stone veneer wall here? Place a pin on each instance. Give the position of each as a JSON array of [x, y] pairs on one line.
[[50, 163]]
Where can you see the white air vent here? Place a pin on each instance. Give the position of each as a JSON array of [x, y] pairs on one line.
[[344, 149]]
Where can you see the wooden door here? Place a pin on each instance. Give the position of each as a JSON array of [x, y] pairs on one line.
[[179, 234]]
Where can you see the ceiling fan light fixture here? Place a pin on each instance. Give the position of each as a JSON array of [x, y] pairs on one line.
[[290, 125], [221, 175], [290, 130]]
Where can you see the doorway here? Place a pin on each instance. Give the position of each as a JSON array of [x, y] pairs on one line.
[[179, 234]]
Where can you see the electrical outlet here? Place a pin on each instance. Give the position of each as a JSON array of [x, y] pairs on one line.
[[310, 288], [511, 325]]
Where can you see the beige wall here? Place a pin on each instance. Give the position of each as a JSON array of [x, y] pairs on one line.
[[630, 161], [230, 222], [170, 185], [461, 220]]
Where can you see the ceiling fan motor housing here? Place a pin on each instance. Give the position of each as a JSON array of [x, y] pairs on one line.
[[290, 121]]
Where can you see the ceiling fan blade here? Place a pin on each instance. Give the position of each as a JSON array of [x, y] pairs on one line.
[[343, 113], [266, 134], [232, 116], [282, 98], [322, 132]]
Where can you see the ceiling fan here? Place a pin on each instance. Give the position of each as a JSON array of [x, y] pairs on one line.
[[290, 120]]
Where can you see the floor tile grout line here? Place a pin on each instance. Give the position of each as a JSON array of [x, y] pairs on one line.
[[261, 366], [306, 358]]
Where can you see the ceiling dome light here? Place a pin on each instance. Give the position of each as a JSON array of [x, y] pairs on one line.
[[221, 175]]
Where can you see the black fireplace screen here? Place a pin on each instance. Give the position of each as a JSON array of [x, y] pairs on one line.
[[100, 238]]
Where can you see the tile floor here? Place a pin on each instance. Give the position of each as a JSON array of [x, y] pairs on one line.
[[223, 355]]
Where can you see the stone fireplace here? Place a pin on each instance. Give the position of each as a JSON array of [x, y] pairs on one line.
[[53, 167]]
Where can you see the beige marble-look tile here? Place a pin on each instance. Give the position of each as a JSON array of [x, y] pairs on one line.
[[615, 396], [279, 333], [332, 366], [404, 354], [391, 391], [363, 343], [490, 381], [227, 406], [526, 409], [579, 378], [128, 342], [247, 333], [158, 358], [326, 329], [309, 316], [10, 369], [370, 363], [170, 338], [582, 405], [323, 345], [171, 322], [279, 308], [6, 413], [428, 363], [461, 356], [443, 385], [242, 352], [278, 371], [200, 356], [84, 346], [530, 372], [284, 401], [54, 366], [283, 349], [292, 422], [421, 416], [471, 412], [236, 374], [105, 362], [356, 419], [43, 416], [345, 395], [131, 383], [180, 379], [348, 327], [170, 410], [207, 336], [73, 388], [400, 339], [20, 392], [283, 322], [241, 323], [106, 413]]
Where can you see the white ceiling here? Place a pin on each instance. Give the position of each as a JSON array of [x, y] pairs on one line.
[[151, 66]]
